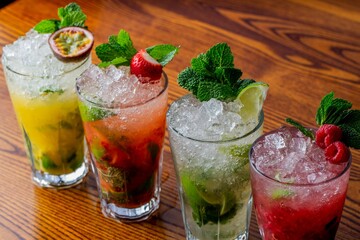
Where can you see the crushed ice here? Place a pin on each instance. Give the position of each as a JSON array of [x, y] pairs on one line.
[[295, 156], [212, 120], [114, 86]]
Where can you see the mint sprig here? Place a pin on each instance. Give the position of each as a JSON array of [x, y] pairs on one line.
[[70, 15], [120, 50], [301, 128], [213, 75], [337, 111]]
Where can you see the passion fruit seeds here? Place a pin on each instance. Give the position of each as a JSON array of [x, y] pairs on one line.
[[71, 43]]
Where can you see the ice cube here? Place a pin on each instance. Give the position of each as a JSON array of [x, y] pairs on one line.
[[31, 55]]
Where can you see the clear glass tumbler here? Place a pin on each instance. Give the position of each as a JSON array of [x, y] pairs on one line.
[[49, 118], [126, 149], [298, 198], [213, 181]]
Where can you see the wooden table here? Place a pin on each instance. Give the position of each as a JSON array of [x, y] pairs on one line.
[[303, 49]]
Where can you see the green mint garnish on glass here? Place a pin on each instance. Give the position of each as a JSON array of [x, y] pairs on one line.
[[120, 50], [336, 111], [213, 75], [70, 16]]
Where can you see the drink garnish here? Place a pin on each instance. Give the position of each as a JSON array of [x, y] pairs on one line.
[[146, 64], [339, 128], [142, 64], [328, 134], [337, 152], [212, 75], [280, 193], [71, 43], [70, 16], [70, 40]]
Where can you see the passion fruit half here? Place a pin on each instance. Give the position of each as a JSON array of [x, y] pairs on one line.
[[71, 43]]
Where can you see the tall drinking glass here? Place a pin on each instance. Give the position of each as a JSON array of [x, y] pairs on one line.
[[124, 122], [42, 90], [297, 194], [212, 167]]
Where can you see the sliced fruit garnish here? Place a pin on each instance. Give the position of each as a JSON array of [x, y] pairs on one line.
[[71, 43], [145, 67], [201, 193], [252, 98]]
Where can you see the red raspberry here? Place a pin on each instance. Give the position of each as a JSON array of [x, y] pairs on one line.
[[328, 134], [337, 153]]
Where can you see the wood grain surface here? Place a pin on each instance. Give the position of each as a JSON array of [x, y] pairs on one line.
[[302, 48]]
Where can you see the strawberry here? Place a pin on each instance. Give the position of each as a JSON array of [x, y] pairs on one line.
[[337, 153], [145, 67], [328, 134], [115, 156]]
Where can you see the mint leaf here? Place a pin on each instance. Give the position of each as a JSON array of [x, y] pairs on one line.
[[112, 53], [47, 26], [228, 75], [208, 90], [163, 53], [331, 110], [202, 66], [124, 40], [105, 52], [116, 62], [47, 163], [338, 106], [92, 113], [71, 15], [220, 55], [350, 126], [324, 105], [120, 50], [212, 75], [301, 128], [281, 193], [189, 79], [48, 90], [68, 9]]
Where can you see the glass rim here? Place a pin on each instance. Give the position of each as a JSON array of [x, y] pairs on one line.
[[236, 138], [258, 171], [81, 63], [119, 105]]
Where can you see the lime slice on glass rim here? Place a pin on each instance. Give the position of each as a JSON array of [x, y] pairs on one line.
[[252, 98]]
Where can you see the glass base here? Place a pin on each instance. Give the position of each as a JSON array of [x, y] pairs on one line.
[[121, 214], [69, 180], [243, 236]]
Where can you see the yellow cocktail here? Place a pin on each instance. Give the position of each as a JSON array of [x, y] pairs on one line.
[[53, 131], [42, 90]]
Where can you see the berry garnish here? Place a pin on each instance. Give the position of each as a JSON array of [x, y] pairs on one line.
[[146, 64], [337, 153], [71, 43], [328, 134], [145, 67], [339, 128]]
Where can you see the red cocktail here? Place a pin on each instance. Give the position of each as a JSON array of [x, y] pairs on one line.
[[297, 194]]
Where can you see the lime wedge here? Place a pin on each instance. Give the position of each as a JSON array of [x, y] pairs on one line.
[[252, 98], [228, 203]]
